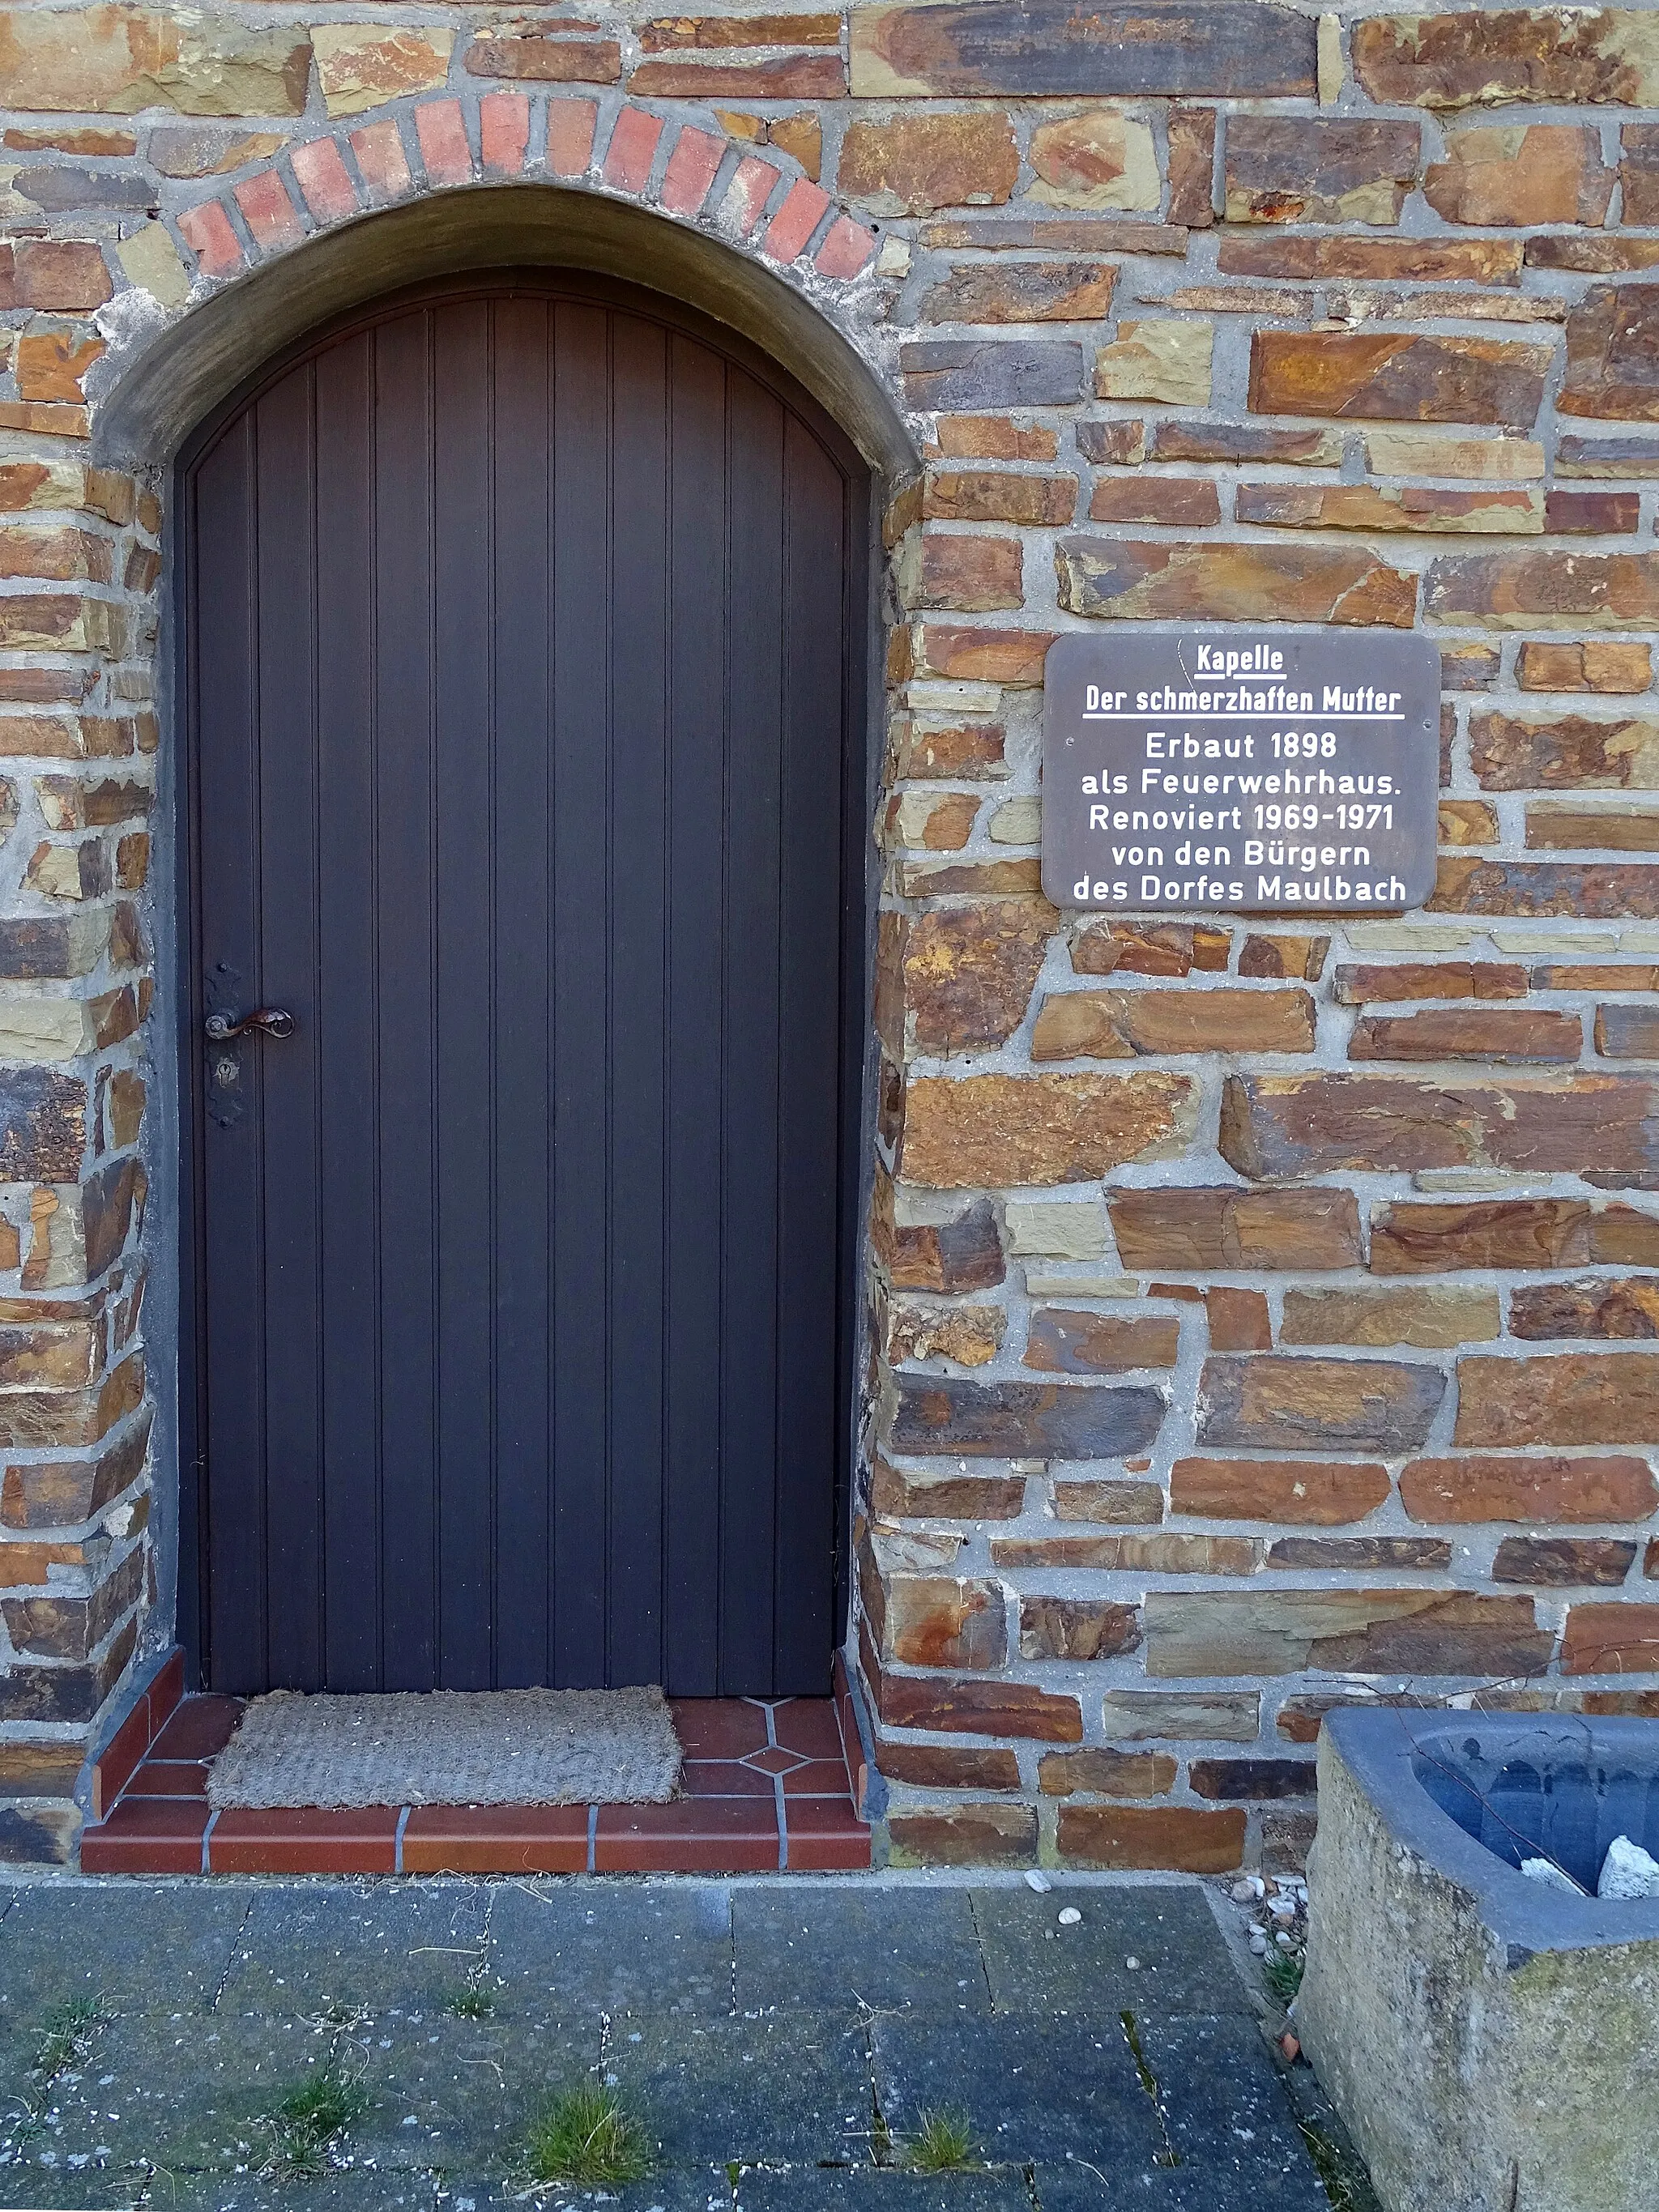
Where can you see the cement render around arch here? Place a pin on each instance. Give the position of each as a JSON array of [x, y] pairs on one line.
[[159, 379]]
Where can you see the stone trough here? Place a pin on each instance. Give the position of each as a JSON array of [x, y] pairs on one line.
[[1491, 2043]]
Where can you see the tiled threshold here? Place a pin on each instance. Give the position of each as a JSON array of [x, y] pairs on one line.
[[766, 1790]]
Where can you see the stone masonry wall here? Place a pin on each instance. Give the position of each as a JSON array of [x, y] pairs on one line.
[[1259, 1313]]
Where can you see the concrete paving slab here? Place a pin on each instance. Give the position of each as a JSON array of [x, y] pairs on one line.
[[1030, 2087], [574, 1950], [1227, 2116], [180, 2090], [1036, 1964], [818, 1947], [127, 1941], [458, 2096], [790, 2086], [355, 1944]]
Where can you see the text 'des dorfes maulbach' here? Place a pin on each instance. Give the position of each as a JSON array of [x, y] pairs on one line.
[[1190, 773]]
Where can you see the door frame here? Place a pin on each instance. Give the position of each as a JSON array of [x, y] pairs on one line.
[[861, 639]]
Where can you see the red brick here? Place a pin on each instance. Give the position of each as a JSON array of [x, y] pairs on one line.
[[751, 187], [804, 208], [442, 131], [268, 212], [381, 161], [632, 149], [846, 249], [504, 132], [328, 189], [206, 230], [570, 125], [691, 167]]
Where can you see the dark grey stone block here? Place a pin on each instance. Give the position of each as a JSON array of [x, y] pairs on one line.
[[1037, 1965], [840, 1948], [1030, 2088]]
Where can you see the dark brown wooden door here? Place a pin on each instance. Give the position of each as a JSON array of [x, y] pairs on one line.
[[525, 655]]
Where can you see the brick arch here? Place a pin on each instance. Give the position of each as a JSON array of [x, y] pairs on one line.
[[676, 169]]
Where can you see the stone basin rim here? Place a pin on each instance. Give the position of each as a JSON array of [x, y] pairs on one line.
[[1529, 1916]]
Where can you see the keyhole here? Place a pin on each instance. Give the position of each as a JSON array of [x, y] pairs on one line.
[[226, 1070]]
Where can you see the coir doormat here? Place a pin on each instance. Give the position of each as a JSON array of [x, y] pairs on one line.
[[451, 1747]]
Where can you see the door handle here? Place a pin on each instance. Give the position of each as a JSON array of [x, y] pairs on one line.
[[271, 1021]]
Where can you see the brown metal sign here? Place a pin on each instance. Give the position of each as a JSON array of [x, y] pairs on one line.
[[1267, 772]]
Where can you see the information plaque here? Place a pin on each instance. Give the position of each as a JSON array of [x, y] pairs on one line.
[[1268, 773]]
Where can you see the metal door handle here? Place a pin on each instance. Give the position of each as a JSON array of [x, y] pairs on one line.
[[273, 1021]]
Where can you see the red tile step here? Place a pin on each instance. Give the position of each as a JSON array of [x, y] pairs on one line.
[[765, 1788]]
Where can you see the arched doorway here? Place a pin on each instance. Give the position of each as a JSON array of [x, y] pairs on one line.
[[525, 627]]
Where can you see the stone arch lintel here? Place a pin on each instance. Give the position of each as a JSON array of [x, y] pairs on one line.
[[168, 386]]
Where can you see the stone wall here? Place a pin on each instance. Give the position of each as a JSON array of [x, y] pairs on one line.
[[1256, 1311]]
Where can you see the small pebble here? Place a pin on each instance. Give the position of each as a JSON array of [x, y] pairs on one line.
[[1289, 2045], [1134, 1965], [1259, 1945], [1242, 1893], [1069, 1916], [1038, 1881]]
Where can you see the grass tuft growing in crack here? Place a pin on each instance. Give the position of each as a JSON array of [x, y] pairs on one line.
[[943, 2144], [303, 2126], [1329, 2165], [67, 2037], [1168, 2155], [470, 2004], [1282, 1972], [587, 2138]]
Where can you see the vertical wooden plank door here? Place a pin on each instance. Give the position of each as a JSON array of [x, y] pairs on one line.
[[524, 652]]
